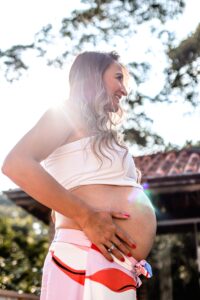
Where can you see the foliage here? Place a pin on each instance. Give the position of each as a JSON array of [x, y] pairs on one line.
[[96, 21], [184, 74], [188, 145], [112, 22], [191, 145], [173, 259], [24, 243]]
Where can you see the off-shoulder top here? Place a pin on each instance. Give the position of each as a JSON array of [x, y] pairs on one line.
[[75, 164]]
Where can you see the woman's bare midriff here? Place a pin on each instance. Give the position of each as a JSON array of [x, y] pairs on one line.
[[141, 225]]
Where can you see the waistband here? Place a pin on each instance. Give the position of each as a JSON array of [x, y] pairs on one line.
[[73, 236]]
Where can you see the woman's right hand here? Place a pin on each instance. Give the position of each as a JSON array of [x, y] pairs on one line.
[[103, 232]]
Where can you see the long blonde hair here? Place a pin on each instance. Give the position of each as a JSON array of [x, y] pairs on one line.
[[88, 94]]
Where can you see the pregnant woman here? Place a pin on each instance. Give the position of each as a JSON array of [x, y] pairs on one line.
[[104, 223]]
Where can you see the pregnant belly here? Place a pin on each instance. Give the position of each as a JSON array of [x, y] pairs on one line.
[[141, 225]]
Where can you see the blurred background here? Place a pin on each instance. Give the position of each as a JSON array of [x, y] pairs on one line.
[[159, 41]]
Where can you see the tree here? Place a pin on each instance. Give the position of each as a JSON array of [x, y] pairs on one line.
[[98, 22], [24, 243], [185, 72], [174, 264]]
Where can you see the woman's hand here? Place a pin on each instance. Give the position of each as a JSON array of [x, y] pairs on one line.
[[105, 234]]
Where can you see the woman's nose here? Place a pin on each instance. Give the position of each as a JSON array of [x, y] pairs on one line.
[[124, 90]]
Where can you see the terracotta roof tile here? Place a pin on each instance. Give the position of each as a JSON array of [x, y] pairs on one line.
[[154, 164], [193, 165], [179, 164], [186, 161], [166, 164]]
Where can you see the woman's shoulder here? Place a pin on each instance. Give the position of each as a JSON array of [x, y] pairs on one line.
[[57, 117], [51, 131]]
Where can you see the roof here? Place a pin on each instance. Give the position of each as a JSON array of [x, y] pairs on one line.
[[172, 168], [20, 198], [170, 163]]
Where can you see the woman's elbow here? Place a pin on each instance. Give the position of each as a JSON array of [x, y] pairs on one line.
[[4, 168], [9, 166]]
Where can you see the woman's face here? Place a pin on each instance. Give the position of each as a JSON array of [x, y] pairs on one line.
[[113, 79]]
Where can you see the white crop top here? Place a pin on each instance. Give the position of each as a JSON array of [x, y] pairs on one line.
[[74, 164]]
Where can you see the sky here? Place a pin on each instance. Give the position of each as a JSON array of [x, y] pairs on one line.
[[24, 101]]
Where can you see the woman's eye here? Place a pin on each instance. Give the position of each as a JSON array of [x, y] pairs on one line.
[[120, 78]]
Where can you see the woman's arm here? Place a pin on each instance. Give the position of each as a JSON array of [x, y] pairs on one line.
[[22, 165]]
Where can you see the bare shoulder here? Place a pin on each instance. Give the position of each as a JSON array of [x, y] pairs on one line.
[[55, 119], [51, 131]]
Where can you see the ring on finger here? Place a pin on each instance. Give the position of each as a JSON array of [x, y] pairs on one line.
[[112, 247]]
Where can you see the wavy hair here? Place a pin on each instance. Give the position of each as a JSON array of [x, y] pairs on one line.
[[88, 94]]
